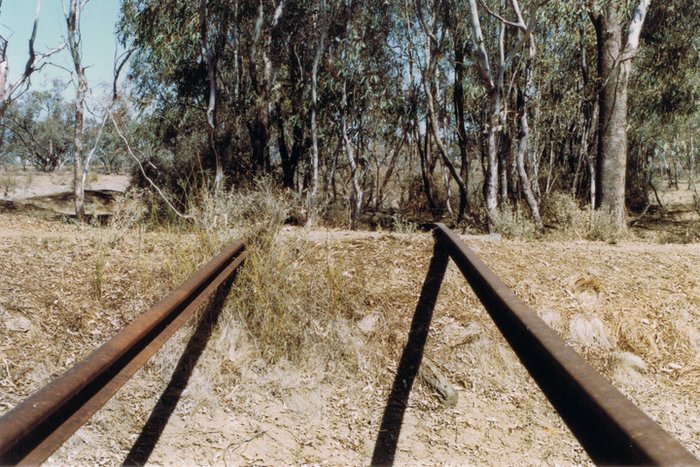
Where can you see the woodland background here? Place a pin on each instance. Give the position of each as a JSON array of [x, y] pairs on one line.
[[482, 113]]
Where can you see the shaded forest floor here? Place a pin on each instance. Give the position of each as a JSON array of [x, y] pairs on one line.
[[631, 308], [675, 220]]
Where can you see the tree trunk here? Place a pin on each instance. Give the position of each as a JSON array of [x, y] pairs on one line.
[[612, 122], [491, 178], [432, 48], [290, 160], [458, 96], [691, 163], [425, 173], [504, 159], [491, 174], [524, 137], [79, 166], [614, 67], [357, 193], [211, 56], [259, 137], [258, 128], [314, 105], [523, 142], [390, 170]]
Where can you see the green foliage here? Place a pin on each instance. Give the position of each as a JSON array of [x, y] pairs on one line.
[[667, 80], [40, 126], [257, 59], [515, 224]]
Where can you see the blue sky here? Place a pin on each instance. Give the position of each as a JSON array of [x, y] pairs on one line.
[[98, 24]]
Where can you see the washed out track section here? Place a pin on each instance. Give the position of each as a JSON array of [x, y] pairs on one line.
[[285, 413]]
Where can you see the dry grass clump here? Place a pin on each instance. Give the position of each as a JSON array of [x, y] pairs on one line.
[[291, 302], [603, 228], [211, 222], [327, 212], [129, 211], [402, 225], [662, 340], [565, 211], [254, 213], [295, 307], [8, 184]]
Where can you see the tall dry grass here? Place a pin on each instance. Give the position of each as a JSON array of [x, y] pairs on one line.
[[291, 303], [573, 221]]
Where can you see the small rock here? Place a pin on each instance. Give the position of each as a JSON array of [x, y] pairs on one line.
[[18, 324], [456, 334], [431, 375], [369, 323]]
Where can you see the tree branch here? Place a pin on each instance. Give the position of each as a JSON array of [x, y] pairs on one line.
[[520, 24], [481, 53], [635, 28], [143, 171], [423, 23]]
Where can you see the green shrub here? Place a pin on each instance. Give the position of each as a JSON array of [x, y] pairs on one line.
[[603, 227], [514, 223]]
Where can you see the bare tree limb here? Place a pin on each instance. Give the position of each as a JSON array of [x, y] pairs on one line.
[[635, 29], [119, 62], [143, 171], [481, 53], [424, 25], [35, 61]]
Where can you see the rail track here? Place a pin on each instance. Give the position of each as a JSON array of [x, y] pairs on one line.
[[34, 429], [609, 426]]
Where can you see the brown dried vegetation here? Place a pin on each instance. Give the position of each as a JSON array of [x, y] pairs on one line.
[[300, 363]]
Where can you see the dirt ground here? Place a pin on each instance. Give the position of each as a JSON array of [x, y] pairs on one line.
[[50, 194], [632, 309], [18, 185]]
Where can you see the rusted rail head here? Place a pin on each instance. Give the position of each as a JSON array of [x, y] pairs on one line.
[[34, 429], [609, 426]]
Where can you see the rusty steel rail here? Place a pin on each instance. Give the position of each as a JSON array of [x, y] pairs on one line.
[[608, 425], [34, 429]]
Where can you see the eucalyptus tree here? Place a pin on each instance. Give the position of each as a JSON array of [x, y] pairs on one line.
[[363, 84], [666, 98], [404, 35], [434, 45], [353, 99], [180, 62], [321, 26], [524, 96], [39, 125], [220, 63], [614, 66], [80, 158], [214, 25], [493, 79]]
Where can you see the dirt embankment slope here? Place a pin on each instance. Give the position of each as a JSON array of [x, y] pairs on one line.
[[52, 193]]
